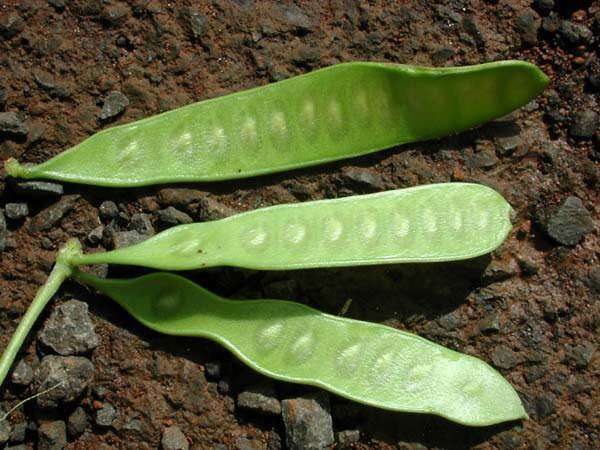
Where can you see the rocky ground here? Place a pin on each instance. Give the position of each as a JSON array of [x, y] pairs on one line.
[[69, 68]]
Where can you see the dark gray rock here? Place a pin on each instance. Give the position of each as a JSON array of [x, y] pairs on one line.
[[580, 355], [568, 223], [363, 179], [274, 441], [52, 435], [452, 321], [573, 33], [195, 23], [47, 218], [499, 270], [174, 439], [16, 211], [490, 324], [308, 423], [346, 438], [171, 216], [58, 5], [142, 224], [114, 104], [505, 145], [212, 370], [483, 159], [17, 434], [121, 239], [10, 124], [69, 330], [69, 376], [5, 429], [115, 14], [528, 25], [39, 189], [295, 18], [593, 280], [47, 83], [2, 231], [11, 25], [108, 210], [23, 373], [584, 124], [551, 23], [77, 422], [504, 358], [180, 197], [544, 5], [105, 416], [260, 399], [95, 236], [211, 209], [543, 405]]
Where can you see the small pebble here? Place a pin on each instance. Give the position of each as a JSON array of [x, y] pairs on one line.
[[121, 239], [3, 231], [5, 429], [106, 415], [584, 125], [39, 189], [47, 218], [363, 179], [16, 211], [347, 437], [69, 330], [108, 210], [94, 237], [10, 124], [114, 104], [568, 223], [17, 434], [171, 216], [142, 224], [260, 399], [308, 423], [504, 358], [69, 376], [212, 370], [23, 373], [211, 209], [580, 355], [174, 439], [77, 422], [490, 324], [573, 33], [52, 435]]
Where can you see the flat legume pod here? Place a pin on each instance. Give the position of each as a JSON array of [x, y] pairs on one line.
[[365, 362], [438, 222], [334, 113]]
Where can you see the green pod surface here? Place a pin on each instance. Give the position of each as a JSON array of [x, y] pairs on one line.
[[337, 112], [365, 362], [437, 222]]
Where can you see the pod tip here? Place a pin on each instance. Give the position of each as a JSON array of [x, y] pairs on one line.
[[14, 168]]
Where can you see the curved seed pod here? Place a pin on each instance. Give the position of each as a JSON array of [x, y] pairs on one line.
[[438, 222], [334, 113], [365, 362]]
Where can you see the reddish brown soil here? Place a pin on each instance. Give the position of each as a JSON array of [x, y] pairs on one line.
[[152, 55]]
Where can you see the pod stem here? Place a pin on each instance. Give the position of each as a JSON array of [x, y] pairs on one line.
[[61, 271], [15, 169]]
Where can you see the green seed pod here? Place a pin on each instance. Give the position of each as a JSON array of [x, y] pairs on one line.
[[365, 362], [438, 222], [338, 112]]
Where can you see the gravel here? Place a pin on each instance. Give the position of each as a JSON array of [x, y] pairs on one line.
[[308, 423], [114, 104], [346, 438], [261, 399], [584, 125], [52, 435], [77, 422], [171, 216], [17, 435], [108, 210], [568, 223], [3, 231], [11, 125], [22, 374], [121, 239], [69, 330], [211, 209], [573, 33], [142, 224], [504, 358], [74, 373], [174, 439], [47, 218], [16, 211], [5, 429], [39, 189], [363, 179], [528, 25], [106, 415]]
